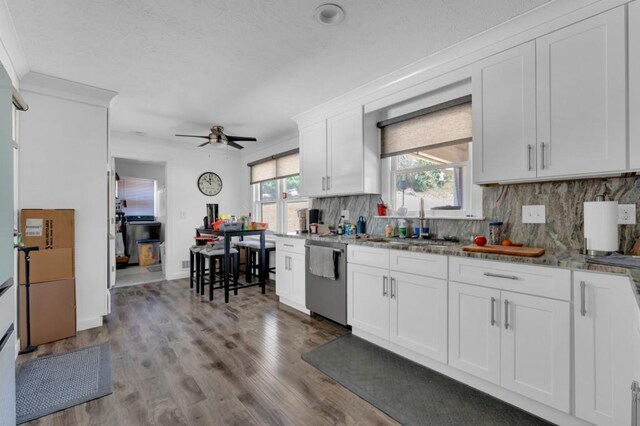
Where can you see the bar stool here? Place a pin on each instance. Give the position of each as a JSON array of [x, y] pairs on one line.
[[253, 248], [240, 246], [216, 257], [194, 267]]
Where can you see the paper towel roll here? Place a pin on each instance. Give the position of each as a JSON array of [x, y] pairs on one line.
[[601, 225]]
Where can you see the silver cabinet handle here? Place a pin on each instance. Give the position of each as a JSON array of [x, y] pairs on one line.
[[506, 277], [542, 166], [583, 304], [328, 183], [493, 311], [286, 263], [384, 286], [324, 183], [506, 314], [287, 245], [393, 293], [289, 257], [529, 147]]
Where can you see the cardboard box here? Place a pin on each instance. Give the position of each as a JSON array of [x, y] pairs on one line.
[[53, 312], [48, 265], [53, 232]]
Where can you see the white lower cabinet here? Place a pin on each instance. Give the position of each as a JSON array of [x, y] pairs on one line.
[[418, 314], [408, 310], [518, 341], [603, 356], [290, 274], [474, 330], [535, 348]]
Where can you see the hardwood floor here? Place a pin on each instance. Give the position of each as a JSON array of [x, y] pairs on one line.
[[180, 359]]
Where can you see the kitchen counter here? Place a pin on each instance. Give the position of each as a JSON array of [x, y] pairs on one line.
[[566, 259]]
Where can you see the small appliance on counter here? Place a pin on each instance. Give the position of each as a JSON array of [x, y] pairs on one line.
[[303, 223], [314, 218], [601, 227]]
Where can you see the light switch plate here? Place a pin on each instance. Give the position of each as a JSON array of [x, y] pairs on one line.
[[534, 214], [345, 213], [626, 214]]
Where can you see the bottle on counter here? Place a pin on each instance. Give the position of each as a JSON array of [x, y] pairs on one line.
[[495, 233], [341, 226], [402, 228], [388, 230]]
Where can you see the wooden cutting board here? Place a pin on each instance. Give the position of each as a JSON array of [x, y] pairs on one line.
[[509, 250]]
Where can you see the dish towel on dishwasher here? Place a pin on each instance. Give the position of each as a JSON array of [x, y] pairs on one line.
[[322, 262]]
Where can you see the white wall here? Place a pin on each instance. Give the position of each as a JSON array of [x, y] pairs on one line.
[[63, 164], [186, 205]]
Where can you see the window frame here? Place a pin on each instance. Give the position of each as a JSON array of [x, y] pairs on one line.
[[280, 202], [471, 193]]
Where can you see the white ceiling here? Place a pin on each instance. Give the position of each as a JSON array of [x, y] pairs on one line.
[[249, 65]]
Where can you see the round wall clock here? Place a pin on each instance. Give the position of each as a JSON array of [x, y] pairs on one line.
[[209, 184]]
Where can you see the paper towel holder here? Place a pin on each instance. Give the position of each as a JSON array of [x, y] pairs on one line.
[[590, 252]]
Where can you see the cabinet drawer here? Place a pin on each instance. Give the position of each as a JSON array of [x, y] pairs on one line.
[[368, 256], [294, 245], [519, 278], [430, 265], [7, 303]]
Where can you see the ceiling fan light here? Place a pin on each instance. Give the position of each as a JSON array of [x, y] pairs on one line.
[[329, 14]]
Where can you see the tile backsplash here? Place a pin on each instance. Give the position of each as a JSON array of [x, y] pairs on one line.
[[564, 212]]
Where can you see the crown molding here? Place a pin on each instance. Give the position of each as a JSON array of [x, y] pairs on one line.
[[11, 54], [57, 87]]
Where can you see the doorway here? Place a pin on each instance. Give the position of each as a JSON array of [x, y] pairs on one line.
[[140, 218]]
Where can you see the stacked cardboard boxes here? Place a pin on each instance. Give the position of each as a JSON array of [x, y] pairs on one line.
[[52, 278]]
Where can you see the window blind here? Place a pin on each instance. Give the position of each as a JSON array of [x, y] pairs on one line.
[[139, 195], [275, 167], [435, 127]]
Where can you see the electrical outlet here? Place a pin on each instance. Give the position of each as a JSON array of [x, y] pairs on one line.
[[626, 214], [345, 213], [183, 214], [534, 214]]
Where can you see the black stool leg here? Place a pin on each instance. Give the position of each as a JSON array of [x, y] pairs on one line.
[[203, 267], [212, 276], [190, 269], [236, 272]]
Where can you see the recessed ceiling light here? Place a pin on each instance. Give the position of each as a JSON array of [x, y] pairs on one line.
[[329, 14]]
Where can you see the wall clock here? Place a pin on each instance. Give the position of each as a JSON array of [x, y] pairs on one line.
[[209, 184]]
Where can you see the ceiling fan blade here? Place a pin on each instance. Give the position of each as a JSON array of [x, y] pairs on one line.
[[235, 145], [203, 144], [193, 136], [241, 139]]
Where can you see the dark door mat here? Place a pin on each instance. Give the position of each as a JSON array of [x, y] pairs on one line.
[[408, 392], [55, 382]]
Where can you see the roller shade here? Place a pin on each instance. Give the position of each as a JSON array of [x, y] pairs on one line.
[[436, 127], [275, 167]]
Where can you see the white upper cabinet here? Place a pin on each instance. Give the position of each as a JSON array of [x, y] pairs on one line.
[[603, 330], [504, 115], [555, 106], [336, 158], [634, 85], [313, 159], [581, 72]]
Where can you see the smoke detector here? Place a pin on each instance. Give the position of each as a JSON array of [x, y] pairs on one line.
[[329, 14]]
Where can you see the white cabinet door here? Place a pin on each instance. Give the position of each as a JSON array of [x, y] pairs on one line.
[[313, 159], [603, 361], [634, 85], [536, 348], [581, 71], [418, 318], [504, 115], [284, 277], [474, 330], [345, 153], [297, 273], [368, 300]]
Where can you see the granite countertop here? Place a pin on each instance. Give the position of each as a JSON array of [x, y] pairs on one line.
[[567, 259]]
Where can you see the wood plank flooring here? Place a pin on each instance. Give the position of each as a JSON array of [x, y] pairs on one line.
[[179, 359]]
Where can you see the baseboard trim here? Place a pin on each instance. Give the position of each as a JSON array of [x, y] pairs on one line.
[[87, 323]]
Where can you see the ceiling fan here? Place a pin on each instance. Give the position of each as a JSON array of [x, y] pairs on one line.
[[217, 136]]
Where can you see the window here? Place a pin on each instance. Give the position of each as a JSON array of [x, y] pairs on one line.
[[427, 156], [276, 185], [138, 196]]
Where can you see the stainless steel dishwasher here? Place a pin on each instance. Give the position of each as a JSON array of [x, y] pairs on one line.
[[324, 296]]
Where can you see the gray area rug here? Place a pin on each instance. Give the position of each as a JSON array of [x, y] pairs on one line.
[[55, 382], [408, 392]]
